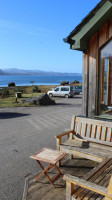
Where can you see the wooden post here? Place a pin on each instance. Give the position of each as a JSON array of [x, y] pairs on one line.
[[85, 85], [69, 190]]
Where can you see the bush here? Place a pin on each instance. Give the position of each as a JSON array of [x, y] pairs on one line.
[[103, 107], [74, 82], [4, 92], [11, 84], [39, 91], [36, 90], [19, 90], [64, 83]]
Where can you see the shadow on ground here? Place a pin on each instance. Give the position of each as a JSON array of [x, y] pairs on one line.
[[8, 115], [69, 105]]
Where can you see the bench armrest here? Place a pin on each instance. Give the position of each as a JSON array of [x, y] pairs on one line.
[[58, 137], [87, 185], [64, 133]]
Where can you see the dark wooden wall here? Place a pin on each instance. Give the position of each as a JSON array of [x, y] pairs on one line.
[[91, 69]]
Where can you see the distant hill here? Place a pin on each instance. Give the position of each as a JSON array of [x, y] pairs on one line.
[[15, 71], [1, 71]]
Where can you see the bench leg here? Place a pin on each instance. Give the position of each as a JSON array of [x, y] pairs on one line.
[[69, 190], [109, 190], [70, 156], [58, 142]]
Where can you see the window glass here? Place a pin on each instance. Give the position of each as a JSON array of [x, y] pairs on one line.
[[64, 89], [106, 74], [57, 89]]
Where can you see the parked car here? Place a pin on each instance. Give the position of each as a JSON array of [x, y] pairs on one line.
[[77, 89], [64, 91]]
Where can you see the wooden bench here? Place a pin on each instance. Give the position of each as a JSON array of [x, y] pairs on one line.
[[87, 138], [95, 185]]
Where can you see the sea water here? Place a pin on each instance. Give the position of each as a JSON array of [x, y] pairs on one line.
[[22, 80]]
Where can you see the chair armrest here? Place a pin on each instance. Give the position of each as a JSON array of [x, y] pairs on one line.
[[64, 133], [87, 185]]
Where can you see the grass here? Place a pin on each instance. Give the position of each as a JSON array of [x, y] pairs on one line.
[[10, 100]]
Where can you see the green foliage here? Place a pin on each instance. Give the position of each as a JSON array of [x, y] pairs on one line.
[[4, 92], [64, 83], [19, 90], [74, 82], [104, 107], [35, 89]]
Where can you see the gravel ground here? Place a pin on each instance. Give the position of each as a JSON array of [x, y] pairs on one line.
[[23, 131]]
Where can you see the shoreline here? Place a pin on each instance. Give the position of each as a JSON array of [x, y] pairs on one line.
[[30, 85]]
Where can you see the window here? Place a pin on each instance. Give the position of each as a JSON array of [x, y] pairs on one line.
[[65, 89], [57, 89], [106, 74]]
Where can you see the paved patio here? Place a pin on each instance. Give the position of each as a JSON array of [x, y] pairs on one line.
[[23, 131]]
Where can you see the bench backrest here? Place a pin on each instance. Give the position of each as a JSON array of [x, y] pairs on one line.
[[93, 130]]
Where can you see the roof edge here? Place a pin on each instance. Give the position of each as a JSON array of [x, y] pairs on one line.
[[85, 20]]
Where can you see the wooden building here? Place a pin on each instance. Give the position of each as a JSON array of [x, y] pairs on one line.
[[93, 36]]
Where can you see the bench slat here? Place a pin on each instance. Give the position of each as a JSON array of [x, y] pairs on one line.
[[104, 133], [94, 175], [88, 131], [108, 135], [93, 131], [83, 129], [94, 122], [98, 141]]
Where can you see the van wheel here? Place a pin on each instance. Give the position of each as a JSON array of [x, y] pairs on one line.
[[66, 96], [51, 95]]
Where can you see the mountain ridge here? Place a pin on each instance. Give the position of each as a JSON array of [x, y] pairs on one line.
[[16, 71]]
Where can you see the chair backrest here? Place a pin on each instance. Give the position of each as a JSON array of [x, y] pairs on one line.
[[93, 130]]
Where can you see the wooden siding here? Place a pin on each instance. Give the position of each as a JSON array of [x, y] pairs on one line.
[[90, 81]]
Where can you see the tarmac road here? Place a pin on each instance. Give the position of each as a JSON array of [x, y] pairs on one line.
[[23, 131]]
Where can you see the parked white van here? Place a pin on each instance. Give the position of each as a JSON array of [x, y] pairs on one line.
[[64, 91]]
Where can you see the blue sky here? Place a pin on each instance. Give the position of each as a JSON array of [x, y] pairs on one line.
[[32, 32]]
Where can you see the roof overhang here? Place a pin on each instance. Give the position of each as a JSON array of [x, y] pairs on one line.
[[79, 37]]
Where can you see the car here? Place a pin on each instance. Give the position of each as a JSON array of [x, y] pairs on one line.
[[64, 91], [77, 89]]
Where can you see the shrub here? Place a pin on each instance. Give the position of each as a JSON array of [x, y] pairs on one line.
[[64, 83], [74, 82], [4, 92], [19, 90], [39, 91], [36, 90], [103, 107], [11, 84]]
